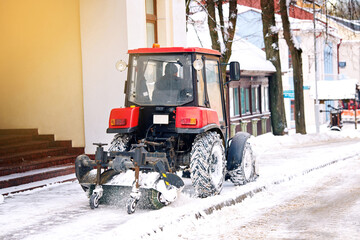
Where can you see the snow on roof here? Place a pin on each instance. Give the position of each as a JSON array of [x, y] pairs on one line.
[[250, 57], [242, 9], [335, 90], [353, 25]]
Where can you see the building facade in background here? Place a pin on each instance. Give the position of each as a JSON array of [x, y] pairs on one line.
[[327, 39]]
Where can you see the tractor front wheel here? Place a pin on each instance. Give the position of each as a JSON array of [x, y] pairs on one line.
[[246, 171], [207, 164], [94, 201]]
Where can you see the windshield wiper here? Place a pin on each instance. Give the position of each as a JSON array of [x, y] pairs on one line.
[[180, 63]]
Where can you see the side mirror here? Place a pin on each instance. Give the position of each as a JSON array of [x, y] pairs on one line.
[[234, 71]]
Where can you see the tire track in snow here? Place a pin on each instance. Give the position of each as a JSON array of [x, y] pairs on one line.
[[250, 194]]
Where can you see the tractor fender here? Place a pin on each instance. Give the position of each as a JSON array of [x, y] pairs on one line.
[[235, 150]]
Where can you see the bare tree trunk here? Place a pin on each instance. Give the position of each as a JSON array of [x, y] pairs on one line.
[[297, 72], [271, 40], [227, 31], [215, 44], [187, 9]]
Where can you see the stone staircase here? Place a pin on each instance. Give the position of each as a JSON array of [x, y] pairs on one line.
[[29, 160]]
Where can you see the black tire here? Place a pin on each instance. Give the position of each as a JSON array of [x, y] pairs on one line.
[[94, 201], [207, 164], [246, 171], [120, 143], [131, 205]]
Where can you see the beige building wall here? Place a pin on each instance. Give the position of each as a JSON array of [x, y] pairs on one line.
[[349, 50], [40, 67], [109, 28], [308, 64], [171, 23], [350, 53]]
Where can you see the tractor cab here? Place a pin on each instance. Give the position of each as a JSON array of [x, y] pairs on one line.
[[174, 88]]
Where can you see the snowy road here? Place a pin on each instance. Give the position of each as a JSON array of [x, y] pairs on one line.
[[325, 204], [62, 211]]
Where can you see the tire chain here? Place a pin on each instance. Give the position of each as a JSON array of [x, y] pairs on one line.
[[199, 168]]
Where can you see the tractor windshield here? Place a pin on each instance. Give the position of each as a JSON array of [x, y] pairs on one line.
[[161, 79]]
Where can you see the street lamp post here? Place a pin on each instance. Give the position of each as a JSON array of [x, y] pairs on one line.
[[357, 98], [317, 110]]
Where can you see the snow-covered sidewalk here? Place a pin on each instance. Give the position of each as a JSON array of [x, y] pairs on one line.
[[62, 212]]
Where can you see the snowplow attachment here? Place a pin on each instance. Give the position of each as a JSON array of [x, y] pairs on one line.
[[156, 189]]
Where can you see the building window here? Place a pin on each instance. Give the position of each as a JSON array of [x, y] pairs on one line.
[[265, 99], [236, 108], [255, 100], [328, 63], [151, 23], [231, 102], [245, 100]]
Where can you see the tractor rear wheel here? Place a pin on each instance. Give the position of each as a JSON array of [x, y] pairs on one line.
[[207, 164]]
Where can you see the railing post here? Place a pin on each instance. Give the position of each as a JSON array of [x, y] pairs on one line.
[[233, 129], [263, 124], [254, 126], [244, 125]]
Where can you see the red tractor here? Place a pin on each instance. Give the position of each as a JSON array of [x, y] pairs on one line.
[[174, 120]]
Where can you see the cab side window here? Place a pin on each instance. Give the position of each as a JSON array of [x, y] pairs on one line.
[[201, 85], [212, 73]]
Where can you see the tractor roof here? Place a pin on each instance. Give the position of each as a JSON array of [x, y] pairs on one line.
[[175, 50]]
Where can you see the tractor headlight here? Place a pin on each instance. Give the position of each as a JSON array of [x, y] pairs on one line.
[[121, 65], [198, 64]]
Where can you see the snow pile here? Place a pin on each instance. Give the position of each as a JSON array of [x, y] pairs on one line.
[[267, 142], [146, 180], [335, 90], [1, 199], [233, 222]]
